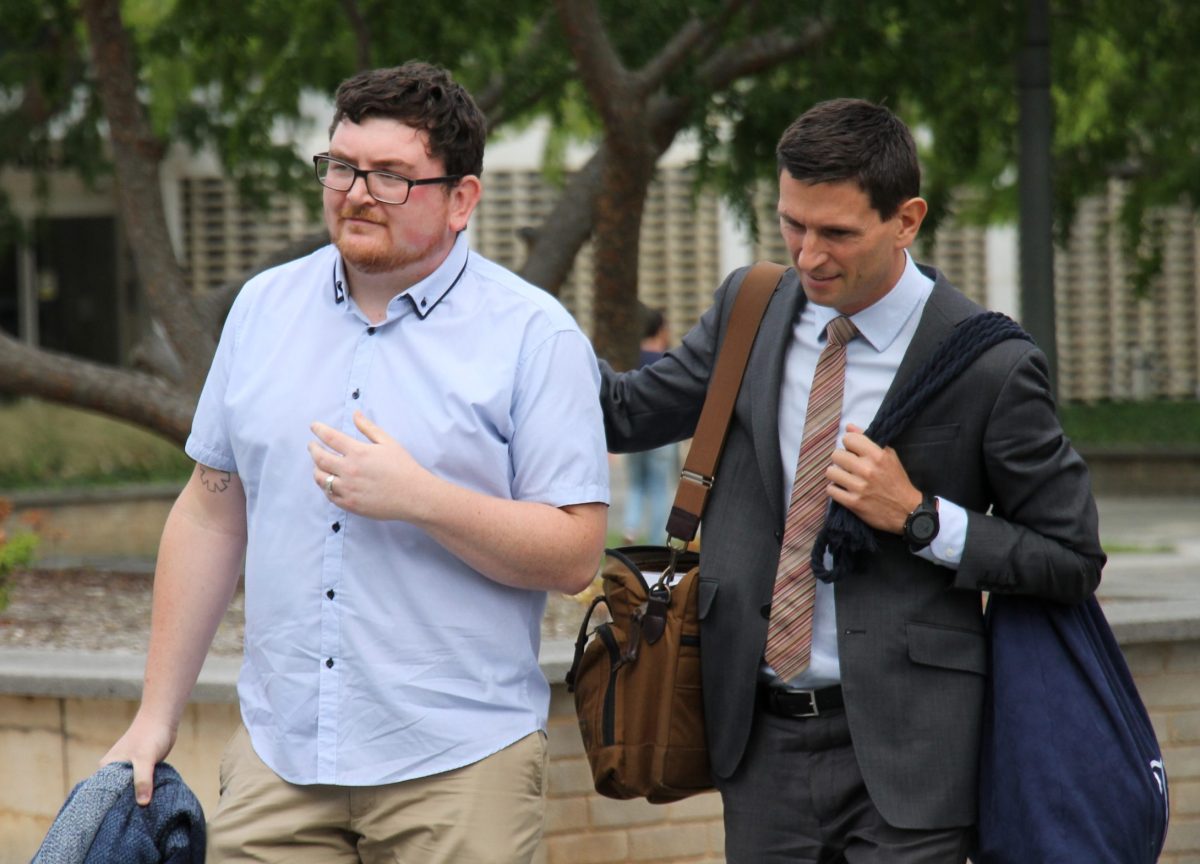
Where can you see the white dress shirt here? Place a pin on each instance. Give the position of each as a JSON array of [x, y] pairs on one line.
[[886, 330]]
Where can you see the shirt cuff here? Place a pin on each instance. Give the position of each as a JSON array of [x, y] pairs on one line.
[[947, 547]]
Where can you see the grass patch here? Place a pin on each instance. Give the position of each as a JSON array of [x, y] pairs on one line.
[[1133, 424], [52, 446], [1137, 549]]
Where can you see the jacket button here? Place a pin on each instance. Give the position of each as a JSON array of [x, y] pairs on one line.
[[766, 611]]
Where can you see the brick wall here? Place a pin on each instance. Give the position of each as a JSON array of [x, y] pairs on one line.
[[47, 744], [1168, 678]]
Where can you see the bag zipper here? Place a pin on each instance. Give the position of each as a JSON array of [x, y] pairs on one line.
[[608, 724]]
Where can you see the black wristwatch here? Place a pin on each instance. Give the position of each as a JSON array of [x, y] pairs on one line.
[[922, 524]]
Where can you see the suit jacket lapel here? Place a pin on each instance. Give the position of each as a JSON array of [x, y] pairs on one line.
[[944, 311], [764, 375]]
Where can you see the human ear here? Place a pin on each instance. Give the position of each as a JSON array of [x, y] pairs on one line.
[[910, 215], [464, 196]]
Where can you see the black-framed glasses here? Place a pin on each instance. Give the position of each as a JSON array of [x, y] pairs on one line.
[[385, 187]]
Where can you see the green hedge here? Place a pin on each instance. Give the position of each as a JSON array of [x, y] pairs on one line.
[[47, 446], [1133, 424]]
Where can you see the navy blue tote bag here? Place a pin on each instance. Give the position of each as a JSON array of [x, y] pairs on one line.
[[1070, 768]]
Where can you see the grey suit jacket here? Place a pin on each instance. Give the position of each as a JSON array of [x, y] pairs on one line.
[[910, 633]]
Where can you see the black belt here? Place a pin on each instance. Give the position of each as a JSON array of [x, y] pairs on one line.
[[798, 704]]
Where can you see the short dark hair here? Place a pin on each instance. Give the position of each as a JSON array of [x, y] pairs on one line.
[[653, 320], [424, 97], [852, 139]]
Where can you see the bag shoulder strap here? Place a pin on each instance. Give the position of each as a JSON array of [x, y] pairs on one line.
[[699, 469]]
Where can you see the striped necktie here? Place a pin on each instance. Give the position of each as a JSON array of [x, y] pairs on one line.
[[789, 632]]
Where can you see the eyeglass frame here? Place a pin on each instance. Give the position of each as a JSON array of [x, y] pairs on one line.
[[365, 174]]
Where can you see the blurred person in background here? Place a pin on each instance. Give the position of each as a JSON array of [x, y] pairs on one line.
[[650, 475]]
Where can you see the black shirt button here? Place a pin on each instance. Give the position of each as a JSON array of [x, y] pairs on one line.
[[329, 663], [354, 395], [370, 331], [336, 526], [424, 302], [329, 593]]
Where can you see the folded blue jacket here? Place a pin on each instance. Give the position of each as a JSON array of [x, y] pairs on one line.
[[101, 822]]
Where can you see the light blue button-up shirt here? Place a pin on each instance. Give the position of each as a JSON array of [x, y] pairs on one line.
[[886, 330], [372, 654]]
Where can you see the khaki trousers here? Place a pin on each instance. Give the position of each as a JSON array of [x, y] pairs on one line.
[[489, 812]]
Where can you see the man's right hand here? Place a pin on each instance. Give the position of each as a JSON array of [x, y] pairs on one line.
[[144, 744], [199, 559]]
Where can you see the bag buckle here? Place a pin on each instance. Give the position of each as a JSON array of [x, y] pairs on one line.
[[650, 619]]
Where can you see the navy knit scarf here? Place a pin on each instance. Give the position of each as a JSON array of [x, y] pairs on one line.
[[848, 538]]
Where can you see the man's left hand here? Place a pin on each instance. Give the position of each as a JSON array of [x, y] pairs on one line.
[[377, 478], [869, 481]]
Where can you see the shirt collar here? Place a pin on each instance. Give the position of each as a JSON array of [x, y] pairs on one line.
[[426, 294], [881, 322]]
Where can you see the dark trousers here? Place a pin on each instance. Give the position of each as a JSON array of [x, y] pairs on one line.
[[798, 796]]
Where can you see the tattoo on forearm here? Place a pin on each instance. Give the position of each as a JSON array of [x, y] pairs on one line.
[[215, 481]]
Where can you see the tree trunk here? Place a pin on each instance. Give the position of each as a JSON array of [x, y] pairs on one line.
[[136, 156], [618, 213]]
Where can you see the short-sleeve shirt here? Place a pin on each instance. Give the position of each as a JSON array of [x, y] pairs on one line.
[[372, 654]]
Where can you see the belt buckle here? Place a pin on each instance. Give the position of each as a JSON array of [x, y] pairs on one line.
[[812, 710]]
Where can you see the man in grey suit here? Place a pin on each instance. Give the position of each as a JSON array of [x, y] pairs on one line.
[[869, 753]]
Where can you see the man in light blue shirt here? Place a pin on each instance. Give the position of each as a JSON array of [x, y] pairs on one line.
[[404, 441]]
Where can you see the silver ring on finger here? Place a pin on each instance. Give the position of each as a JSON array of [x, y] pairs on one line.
[[329, 485]]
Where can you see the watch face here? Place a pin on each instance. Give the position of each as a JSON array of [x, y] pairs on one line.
[[922, 527]]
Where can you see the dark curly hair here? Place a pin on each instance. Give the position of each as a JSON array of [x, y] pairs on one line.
[[851, 139], [423, 97]]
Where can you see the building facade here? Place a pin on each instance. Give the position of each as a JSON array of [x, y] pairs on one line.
[[67, 282]]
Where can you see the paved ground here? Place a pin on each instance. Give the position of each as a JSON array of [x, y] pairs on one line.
[[1153, 572]]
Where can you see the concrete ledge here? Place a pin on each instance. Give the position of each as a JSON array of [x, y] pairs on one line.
[[24, 498], [1157, 471], [110, 675], [1140, 624], [102, 675]]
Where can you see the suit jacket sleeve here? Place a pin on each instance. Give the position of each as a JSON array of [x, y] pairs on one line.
[[1042, 534], [660, 403]]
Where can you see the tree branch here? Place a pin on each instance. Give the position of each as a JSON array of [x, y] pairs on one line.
[[600, 69], [133, 396], [689, 40], [670, 113], [564, 231], [362, 34], [491, 98], [755, 54]]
